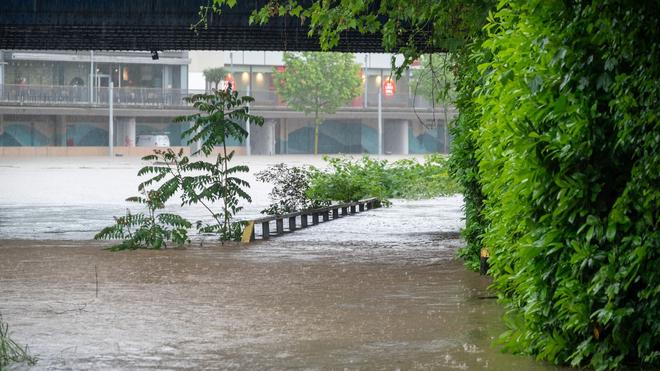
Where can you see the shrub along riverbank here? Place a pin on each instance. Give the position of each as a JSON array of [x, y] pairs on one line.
[[346, 179], [556, 149]]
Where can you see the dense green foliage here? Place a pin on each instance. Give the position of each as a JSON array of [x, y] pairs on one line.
[[568, 157], [348, 180], [198, 182], [10, 351], [463, 163], [290, 186], [318, 83]]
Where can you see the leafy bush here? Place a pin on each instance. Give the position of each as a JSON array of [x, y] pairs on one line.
[[289, 193], [200, 182], [566, 139], [463, 163], [347, 180], [222, 115], [10, 351], [415, 180], [150, 231]]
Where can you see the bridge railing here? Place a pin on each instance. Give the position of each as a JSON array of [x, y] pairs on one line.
[[300, 220], [48, 95]]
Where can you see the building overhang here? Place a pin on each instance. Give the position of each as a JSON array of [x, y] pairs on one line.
[[87, 57]]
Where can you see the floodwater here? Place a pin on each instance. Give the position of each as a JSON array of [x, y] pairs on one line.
[[376, 290]]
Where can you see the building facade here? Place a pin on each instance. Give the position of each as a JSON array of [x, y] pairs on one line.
[[57, 103]]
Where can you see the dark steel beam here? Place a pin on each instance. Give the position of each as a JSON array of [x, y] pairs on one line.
[[157, 25]]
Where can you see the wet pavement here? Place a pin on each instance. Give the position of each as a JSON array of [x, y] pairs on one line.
[[378, 290]]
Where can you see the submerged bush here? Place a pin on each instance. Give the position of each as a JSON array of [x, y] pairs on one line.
[[289, 193], [148, 231], [351, 180]]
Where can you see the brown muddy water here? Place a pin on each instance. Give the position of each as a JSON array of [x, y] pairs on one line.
[[249, 308], [378, 290]]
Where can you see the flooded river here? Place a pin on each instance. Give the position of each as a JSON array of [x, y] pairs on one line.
[[377, 290]]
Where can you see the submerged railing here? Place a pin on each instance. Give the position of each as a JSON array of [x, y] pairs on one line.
[[300, 220]]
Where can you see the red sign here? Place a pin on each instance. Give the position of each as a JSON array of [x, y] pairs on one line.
[[389, 88], [229, 79]]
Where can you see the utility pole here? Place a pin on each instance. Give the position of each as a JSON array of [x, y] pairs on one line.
[[91, 76], [366, 81], [110, 121], [380, 116], [248, 150]]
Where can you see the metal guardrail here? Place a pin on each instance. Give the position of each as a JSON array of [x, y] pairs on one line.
[[81, 95], [20, 94], [324, 214]]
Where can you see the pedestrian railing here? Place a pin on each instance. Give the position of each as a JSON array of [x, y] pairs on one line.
[[124, 96], [277, 225]]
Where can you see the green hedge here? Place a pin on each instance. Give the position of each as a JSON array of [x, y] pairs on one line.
[[563, 116], [348, 180], [463, 163]]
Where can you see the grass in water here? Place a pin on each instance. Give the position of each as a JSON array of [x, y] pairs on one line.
[[10, 351]]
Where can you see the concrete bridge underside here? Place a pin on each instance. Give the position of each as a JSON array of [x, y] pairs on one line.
[[160, 25]]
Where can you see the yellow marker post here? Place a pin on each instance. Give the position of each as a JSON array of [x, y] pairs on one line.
[[248, 232], [483, 260]]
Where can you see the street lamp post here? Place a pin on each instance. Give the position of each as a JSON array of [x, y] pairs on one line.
[[380, 114], [110, 118], [91, 76], [248, 150], [366, 80]]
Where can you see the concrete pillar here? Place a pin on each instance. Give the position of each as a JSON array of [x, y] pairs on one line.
[[262, 139], [184, 77], [60, 131], [129, 139], [3, 92], [167, 77], [395, 137], [403, 130], [284, 136], [125, 133]]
